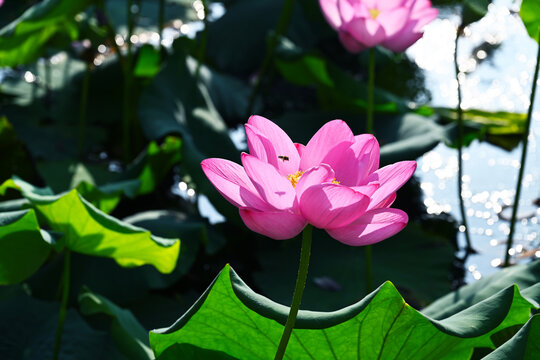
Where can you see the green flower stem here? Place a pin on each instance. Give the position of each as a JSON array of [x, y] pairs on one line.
[[281, 27], [204, 39], [83, 109], [63, 307], [298, 291], [369, 269], [460, 148], [369, 130], [523, 158]]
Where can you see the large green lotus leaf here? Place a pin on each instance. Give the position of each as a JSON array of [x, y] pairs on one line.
[[183, 107], [124, 286], [401, 137], [417, 262], [498, 122], [525, 276], [65, 175], [28, 328], [14, 205], [61, 176], [153, 164], [381, 326], [103, 188], [172, 224], [24, 247], [32, 110], [27, 94], [25, 39], [89, 231], [500, 128], [337, 89], [229, 95], [523, 346], [245, 54], [129, 335], [530, 14], [169, 106]]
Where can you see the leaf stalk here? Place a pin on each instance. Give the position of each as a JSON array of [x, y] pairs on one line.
[[63, 306], [459, 111], [523, 159], [283, 24]]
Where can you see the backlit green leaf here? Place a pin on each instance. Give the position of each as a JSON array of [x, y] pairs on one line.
[[89, 231], [23, 248], [25, 39], [530, 14]]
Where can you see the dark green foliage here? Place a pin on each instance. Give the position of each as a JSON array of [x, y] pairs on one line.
[[63, 187]]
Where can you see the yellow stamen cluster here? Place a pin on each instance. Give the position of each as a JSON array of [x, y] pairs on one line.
[[374, 13], [293, 178]]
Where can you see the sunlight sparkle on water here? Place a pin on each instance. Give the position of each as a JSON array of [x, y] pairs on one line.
[[29, 77], [500, 83]]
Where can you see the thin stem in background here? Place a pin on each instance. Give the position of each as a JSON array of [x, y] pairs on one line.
[[371, 90], [281, 27], [298, 291], [63, 306], [161, 19], [204, 39], [369, 130], [48, 80], [523, 158], [111, 33], [83, 110], [47, 83], [128, 77], [460, 148]]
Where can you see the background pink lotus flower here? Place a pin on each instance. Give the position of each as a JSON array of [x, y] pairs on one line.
[[333, 183], [394, 24]]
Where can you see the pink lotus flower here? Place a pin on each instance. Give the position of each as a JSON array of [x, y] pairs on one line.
[[333, 183], [394, 24]]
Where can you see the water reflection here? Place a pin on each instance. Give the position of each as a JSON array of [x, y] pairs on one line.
[[501, 82]]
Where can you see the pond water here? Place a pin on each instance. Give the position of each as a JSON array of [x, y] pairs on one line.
[[502, 82]]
